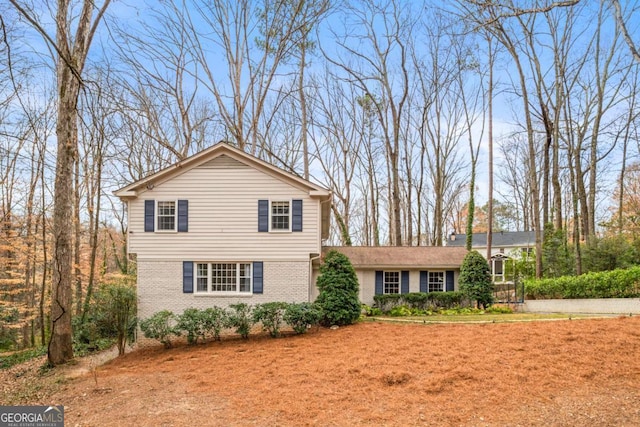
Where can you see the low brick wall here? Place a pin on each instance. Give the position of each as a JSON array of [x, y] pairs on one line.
[[589, 306]]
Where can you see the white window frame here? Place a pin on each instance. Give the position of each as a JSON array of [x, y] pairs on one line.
[[431, 283], [386, 282], [290, 216], [175, 216], [209, 277]]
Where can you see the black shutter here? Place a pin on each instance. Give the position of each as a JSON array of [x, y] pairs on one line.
[[404, 282], [187, 277], [263, 215], [379, 286], [296, 215], [424, 281], [149, 215], [183, 215], [450, 281], [258, 277]]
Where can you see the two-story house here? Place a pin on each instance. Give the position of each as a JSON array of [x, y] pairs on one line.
[[223, 226], [506, 246]]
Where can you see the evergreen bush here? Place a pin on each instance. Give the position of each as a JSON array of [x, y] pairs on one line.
[[338, 286], [160, 326], [192, 321], [475, 279], [214, 321], [420, 300], [270, 315], [624, 283], [302, 316], [241, 319]]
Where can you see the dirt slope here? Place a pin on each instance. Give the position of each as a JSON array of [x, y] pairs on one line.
[[561, 373]]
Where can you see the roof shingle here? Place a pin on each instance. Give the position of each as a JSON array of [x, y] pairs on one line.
[[402, 256]]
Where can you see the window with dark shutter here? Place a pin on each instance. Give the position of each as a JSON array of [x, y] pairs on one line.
[[258, 277], [149, 215], [424, 281], [296, 215], [187, 277], [183, 215], [379, 283], [404, 283], [450, 281], [263, 215]]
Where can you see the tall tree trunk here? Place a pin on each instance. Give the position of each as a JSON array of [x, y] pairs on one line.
[[72, 53], [77, 239], [490, 142], [303, 112], [60, 348]]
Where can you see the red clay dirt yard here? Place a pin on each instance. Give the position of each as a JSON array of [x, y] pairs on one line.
[[542, 373]]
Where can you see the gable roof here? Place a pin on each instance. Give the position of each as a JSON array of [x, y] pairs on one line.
[[221, 148], [504, 239], [135, 189], [402, 256]]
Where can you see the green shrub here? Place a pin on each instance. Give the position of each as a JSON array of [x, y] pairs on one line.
[[371, 311], [114, 311], [192, 322], [241, 319], [338, 286], [475, 279], [160, 326], [608, 253], [496, 309], [270, 315], [214, 320], [401, 310], [15, 358], [607, 284], [387, 302], [109, 316], [461, 311], [446, 299], [302, 316], [419, 301]]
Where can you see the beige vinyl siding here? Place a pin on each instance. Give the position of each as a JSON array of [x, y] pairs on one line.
[[223, 196]]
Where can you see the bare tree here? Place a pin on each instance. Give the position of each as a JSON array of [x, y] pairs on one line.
[[376, 56], [72, 51]]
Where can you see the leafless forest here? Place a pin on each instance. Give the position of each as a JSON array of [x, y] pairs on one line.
[[423, 118]]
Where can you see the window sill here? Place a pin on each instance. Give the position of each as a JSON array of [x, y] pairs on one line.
[[223, 294]]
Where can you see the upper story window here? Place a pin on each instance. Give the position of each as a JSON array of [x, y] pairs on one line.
[[391, 282], [435, 281], [166, 216], [280, 214]]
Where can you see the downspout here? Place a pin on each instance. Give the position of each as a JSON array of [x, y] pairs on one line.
[[312, 257]]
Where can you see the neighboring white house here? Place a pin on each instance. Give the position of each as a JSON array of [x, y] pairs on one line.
[[505, 247], [222, 227], [403, 269]]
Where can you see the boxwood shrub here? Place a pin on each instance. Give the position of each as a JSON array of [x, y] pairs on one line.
[[605, 284], [420, 300]]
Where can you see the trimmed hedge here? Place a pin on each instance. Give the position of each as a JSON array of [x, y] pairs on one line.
[[420, 300], [605, 284]]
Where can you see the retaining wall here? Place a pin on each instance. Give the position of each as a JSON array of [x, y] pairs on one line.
[[595, 306]]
